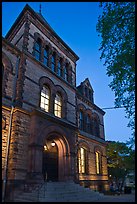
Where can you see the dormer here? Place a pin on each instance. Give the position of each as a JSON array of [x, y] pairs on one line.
[[86, 90]]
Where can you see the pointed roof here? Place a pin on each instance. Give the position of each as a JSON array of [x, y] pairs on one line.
[[87, 83], [40, 17]]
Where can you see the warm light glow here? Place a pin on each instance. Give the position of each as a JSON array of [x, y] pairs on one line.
[[97, 162], [52, 143], [82, 161], [45, 147]]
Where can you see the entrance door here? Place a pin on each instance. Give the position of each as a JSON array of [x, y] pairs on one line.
[[50, 163]]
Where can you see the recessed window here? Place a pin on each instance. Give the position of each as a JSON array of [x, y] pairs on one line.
[[96, 127], [81, 120], [46, 56], [37, 51], [45, 98], [98, 163], [53, 63], [66, 72], [88, 124], [82, 160], [59, 71], [58, 105]]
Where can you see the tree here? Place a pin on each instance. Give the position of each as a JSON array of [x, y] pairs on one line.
[[116, 26], [121, 161]]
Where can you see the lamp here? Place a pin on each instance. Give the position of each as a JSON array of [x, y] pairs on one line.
[[52, 143], [45, 147]]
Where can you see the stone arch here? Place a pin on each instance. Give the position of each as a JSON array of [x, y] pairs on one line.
[[58, 135], [98, 149], [81, 107], [89, 112], [38, 36], [96, 116], [83, 143], [62, 92], [45, 80]]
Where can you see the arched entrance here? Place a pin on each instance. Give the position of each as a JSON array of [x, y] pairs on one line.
[[56, 158], [50, 161]]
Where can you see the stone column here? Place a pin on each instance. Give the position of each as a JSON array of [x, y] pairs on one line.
[[35, 162]]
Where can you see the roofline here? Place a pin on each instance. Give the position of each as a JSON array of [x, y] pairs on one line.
[[92, 104], [27, 7]]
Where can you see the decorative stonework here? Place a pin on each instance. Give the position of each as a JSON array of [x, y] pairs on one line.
[[26, 33], [32, 127], [7, 69]]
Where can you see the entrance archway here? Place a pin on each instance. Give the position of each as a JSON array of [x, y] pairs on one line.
[[56, 159], [50, 161]]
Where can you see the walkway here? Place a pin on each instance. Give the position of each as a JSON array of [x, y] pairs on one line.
[[118, 198]]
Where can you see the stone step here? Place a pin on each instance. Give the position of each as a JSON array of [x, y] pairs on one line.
[[59, 192]]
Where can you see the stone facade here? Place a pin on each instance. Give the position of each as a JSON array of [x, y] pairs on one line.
[[27, 128]]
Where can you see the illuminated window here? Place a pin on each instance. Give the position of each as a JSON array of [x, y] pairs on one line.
[[59, 72], [45, 98], [98, 163], [46, 56], [53, 63], [37, 52], [82, 160], [58, 105]]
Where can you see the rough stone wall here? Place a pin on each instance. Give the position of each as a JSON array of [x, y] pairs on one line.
[[9, 64], [18, 38], [93, 110], [92, 175], [34, 29], [5, 128], [18, 150], [31, 89]]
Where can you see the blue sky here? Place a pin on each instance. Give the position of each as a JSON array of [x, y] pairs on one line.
[[75, 23]]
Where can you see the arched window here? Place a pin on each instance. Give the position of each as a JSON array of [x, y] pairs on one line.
[[46, 56], [96, 127], [81, 120], [98, 162], [37, 49], [53, 63], [88, 124], [58, 105], [66, 72], [45, 98], [59, 71], [82, 160]]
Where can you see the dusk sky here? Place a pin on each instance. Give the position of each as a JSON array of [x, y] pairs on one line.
[[75, 23]]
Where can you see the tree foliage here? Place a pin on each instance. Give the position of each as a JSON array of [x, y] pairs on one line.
[[120, 159], [116, 27]]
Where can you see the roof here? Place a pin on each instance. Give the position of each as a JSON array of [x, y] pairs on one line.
[[44, 22]]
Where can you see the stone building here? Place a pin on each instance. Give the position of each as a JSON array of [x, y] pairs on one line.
[[49, 125]]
